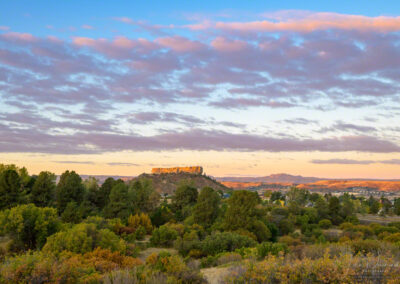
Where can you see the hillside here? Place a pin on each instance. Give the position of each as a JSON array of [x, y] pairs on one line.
[[167, 183], [390, 186], [254, 185], [275, 178], [346, 184]]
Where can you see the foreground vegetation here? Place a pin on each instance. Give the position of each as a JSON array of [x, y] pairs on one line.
[[78, 231]]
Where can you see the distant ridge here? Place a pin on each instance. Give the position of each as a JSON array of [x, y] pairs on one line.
[[281, 178], [310, 183], [287, 178]]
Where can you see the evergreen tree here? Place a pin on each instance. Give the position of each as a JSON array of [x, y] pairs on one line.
[[104, 192], [118, 204], [72, 213], [10, 189], [334, 209], [144, 197], [322, 208], [374, 205], [69, 188], [43, 191], [347, 207], [396, 206], [90, 205], [184, 195], [243, 214], [206, 210]]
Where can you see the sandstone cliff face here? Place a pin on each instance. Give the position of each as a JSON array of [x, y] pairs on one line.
[[176, 170]]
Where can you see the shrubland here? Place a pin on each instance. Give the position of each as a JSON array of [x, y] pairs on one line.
[[81, 231]]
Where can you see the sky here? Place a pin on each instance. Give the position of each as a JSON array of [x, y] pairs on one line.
[[254, 88]]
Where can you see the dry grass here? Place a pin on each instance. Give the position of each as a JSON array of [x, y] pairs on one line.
[[368, 218], [145, 253], [215, 275]]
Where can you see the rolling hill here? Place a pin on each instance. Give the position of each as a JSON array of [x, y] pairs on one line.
[[167, 183]]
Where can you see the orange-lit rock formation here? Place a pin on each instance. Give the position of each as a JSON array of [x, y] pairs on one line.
[[190, 170]]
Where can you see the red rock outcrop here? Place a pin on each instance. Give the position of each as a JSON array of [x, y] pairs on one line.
[[191, 170]]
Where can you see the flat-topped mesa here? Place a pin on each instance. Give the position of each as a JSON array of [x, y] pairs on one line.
[[176, 170]]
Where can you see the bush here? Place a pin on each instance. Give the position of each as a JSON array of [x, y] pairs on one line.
[[268, 248], [343, 269], [393, 238], [38, 267], [140, 220], [290, 241], [189, 244], [83, 238], [175, 267], [102, 223], [319, 250], [227, 241], [28, 225], [164, 236], [325, 224], [140, 233], [135, 276], [373, 247], [228, 257]]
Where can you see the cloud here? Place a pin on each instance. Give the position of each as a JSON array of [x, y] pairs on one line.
[[349, 70], [343, 162], [74, 162], [391, 162], [180, 44], [356, 162], [23, 37], [171, 117], [351, 126], [125, 20], [309, 22], [344, 126], [245, 103], [17, 139], [4, 28], [123, 164], [150, 117], [82, 95], [300, 120], [225, 45], [87, 27]]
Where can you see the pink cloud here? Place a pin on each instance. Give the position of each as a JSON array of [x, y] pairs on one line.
[[125, 20], [200, 26], [180, 44], [4, 28], [87, 27], [226, 45], [118, 47], [308, 22], [84, 41], [107, 46], [123, 42], [20, 36]]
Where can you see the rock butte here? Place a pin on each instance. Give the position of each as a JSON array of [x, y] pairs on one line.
[[191, 170]]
